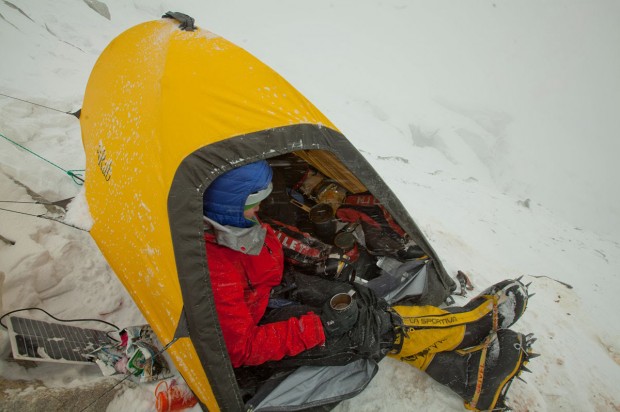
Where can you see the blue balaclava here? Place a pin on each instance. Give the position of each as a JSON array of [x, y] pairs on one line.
[[229, 194]]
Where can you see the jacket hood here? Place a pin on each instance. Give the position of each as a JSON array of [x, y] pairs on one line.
[[225, 199]]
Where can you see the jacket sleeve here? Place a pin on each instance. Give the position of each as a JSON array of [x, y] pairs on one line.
[[251, 344]]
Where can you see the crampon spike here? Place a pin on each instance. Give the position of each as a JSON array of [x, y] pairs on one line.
[[528, 285], [533, 355], [519, 278], [525, 342], [529, 296]]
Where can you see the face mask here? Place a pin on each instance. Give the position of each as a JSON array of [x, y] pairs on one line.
[[252, 218]]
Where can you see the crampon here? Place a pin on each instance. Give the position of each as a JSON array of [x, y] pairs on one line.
[[495, 376]]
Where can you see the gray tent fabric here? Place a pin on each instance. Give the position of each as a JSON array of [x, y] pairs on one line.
[[415, 286], [409, 279], [311, 386]]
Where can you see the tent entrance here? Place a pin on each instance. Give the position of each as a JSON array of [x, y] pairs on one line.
[[293, 151]]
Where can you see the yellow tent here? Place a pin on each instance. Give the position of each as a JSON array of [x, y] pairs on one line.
[[167, 109]]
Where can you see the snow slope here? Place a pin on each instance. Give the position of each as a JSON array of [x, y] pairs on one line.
[[495, 123]]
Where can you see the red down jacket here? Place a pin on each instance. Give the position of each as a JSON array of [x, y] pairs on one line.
[[241, 285]]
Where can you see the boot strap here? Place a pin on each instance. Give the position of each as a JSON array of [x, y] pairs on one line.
[[495, 312], [496, 301], [474, 399], [480, 376]]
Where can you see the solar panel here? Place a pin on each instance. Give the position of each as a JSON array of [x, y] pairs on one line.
[[38, 340]]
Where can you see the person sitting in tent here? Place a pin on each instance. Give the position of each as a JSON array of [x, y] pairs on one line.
[[468, 349]]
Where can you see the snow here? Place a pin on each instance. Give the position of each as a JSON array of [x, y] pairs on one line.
[[495, 122]]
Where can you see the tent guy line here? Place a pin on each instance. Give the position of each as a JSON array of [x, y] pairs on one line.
[[76, 113], [70, 172], [44, 217]]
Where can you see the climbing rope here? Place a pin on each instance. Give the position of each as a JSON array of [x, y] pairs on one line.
[[77, 178]]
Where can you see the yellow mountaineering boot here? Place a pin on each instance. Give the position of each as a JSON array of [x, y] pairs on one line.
[[482, 375], [467, 348], [427, 330], [511, 301]]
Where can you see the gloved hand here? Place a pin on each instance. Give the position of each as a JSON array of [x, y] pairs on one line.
[[338, 322]]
